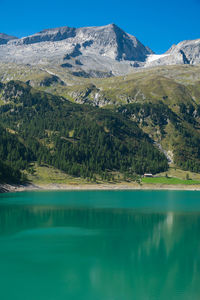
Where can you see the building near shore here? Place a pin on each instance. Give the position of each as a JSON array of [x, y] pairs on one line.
[[148, 175]]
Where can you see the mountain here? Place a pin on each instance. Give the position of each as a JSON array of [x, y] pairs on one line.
[[57, 109], [101, 51], [4, 38], [89, 51], [109, 41]]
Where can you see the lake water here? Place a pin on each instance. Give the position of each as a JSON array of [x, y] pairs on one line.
[[100, 245]]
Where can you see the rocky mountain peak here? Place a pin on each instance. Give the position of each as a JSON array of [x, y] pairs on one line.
[[115, 43]]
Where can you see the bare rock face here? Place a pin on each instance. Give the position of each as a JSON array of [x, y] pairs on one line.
[[4, 38]]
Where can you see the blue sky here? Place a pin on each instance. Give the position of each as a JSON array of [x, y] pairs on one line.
[[157, 24]]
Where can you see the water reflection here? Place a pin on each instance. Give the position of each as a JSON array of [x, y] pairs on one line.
[[98, 253]]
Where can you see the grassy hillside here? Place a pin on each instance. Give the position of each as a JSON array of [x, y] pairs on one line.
[[146, 113], [171, 84]]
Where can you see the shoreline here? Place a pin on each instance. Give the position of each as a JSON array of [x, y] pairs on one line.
[[8, 188]]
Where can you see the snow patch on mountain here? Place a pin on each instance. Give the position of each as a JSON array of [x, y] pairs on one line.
[[154, 57]]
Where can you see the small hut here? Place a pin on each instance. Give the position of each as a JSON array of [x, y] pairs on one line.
[[148, 175]]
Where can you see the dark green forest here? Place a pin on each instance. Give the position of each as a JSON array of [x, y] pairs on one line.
[[14, 156]]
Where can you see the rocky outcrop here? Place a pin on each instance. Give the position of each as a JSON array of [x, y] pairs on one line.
[[51, 80], [186, 52]]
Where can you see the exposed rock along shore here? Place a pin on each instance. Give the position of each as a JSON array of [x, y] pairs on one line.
[[6, 188]]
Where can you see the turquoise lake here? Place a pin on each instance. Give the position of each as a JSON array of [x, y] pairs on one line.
[[100, 245]]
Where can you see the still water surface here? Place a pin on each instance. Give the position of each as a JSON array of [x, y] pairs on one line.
[[100, 245]]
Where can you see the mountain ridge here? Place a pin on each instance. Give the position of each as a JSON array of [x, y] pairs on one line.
[[102, 49], [95, 51], [5, 38]]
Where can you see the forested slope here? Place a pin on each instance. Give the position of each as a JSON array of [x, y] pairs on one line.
[[78, 139]]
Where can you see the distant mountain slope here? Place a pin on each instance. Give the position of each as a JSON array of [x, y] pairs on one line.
[[4, 38], [172, 84]]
